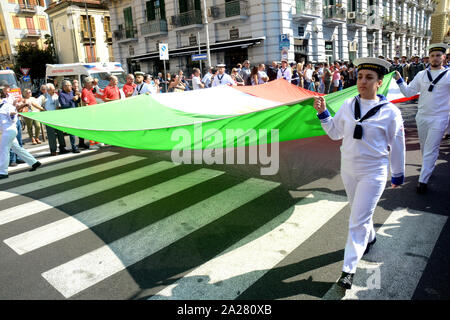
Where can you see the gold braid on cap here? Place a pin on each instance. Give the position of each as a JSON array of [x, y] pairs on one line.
[[438, 49]]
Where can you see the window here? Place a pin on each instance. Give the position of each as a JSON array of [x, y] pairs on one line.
[[156, 10], [189, 5], [301, 31], [128, 16], [42, 24], [16, 22], [107, 24]]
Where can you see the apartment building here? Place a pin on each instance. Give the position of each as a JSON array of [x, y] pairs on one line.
[[440, 22], [21, 21], [81, 30], [266, 30]]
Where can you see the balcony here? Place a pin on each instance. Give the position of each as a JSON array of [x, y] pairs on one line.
[[428, 34], [2, 35], [31, 33], [154, 28], [412, 3], [389, 25], [25, 8], [126, 35], [334, 15], [356, 19], [229, 11], [108, 36], [84, 35], [187, 20], [306, 11], [429, 7]]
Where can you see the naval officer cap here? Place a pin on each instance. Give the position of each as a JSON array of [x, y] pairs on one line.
[[139, 73], [438, 47], [221, 65], [380, 66]]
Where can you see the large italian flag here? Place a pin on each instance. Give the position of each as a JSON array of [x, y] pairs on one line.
[[218, 117]]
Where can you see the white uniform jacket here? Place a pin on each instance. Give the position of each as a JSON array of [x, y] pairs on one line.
[[221, 80], [383, 135], [285, 74], [6, 120], [433, 103]]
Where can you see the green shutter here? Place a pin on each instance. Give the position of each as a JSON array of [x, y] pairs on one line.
[[128, 22], [150, 5]]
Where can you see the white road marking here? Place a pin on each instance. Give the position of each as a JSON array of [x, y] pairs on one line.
[[61, 229], [235, 270], [95, 266], [41, 184], [393, 267], [36, 206]]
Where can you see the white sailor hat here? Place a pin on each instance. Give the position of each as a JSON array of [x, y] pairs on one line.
[[380, 66], [438, 47], [221, 65], [139, 73], [284, 60]]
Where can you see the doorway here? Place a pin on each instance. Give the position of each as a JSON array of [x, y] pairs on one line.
[[234, 56]]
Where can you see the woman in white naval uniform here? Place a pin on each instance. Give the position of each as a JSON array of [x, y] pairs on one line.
[[367, 146], [433, 109], [8, 119]]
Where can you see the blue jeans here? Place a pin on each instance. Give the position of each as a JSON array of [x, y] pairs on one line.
[[71, 137], [12, 156]]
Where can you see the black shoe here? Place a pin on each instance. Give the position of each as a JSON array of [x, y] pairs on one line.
[[75, 151], [3, 176], [421, 188], [371, 243], [13, 164], [19, 161], [63, 151], [83, 146], [346, 280], [35, 165]]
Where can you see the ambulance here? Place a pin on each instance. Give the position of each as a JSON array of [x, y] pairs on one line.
[[10, 77], [56, 73]]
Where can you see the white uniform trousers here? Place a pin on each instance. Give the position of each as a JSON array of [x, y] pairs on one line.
[[363, 191], [430, 130], [8, 141]]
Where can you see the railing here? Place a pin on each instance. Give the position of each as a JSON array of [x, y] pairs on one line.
[[388, 24], [360, 18], [229, 10], [307, 7], [85, 36], [187, 18], [31, 33], [123, 34], [333, 12], [154, 27], [27, 8]]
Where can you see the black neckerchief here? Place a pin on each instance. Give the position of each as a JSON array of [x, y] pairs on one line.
[[358, 133], [139, 90], [220, 77], [433, 82]]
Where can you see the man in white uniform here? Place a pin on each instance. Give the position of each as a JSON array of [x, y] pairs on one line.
[[372, 133], [432, 117], [142, 87], [222, 78], [284, 72], [8, 119]]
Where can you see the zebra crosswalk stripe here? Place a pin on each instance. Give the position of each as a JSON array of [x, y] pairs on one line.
[[233, 271], [393, 267], [95, 266], [66, 177], [36, 206], [61, 229]]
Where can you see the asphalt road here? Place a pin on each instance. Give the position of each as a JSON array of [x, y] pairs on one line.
[[129, 224]]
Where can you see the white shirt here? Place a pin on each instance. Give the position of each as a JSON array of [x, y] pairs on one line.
[[261, 75], [196, 83], [382, 131], [435, 103], [142, 88], [222, 79], [285, 73], [308, 75], [207, 80], [5, 115]]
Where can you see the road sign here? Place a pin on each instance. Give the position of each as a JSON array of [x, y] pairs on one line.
[[25, 71], [163, 51], [284, 41], [26, 78], [198, 57], [284, 53]]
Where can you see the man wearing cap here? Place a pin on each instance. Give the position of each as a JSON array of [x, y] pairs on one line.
[[222, 78], [415, 68], [372, 133], [432, 117], [284, 72], [8, 140], [141, 86]]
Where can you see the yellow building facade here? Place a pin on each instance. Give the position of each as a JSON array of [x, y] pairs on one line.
[[440, 22], [21, 22]]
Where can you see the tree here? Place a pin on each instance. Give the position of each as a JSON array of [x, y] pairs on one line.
[[30, 56]]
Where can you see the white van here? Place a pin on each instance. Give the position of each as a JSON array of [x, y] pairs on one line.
[[56, 73]]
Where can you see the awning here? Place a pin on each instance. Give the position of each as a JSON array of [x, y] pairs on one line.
[[184, 51]]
